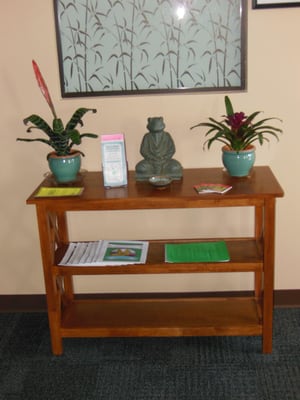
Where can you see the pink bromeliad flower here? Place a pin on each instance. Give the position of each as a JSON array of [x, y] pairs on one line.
[[237, 130], [236, 120]]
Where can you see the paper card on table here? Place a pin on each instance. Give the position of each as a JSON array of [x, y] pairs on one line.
[[58, 191], [212, 188]]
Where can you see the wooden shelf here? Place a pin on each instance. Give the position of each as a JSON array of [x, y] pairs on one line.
[[176, 315], [245, 256], [162, 317]]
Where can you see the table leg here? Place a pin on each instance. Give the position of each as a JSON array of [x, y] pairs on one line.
[[47, 244], [63, 234], [258, 233], [268, 284]]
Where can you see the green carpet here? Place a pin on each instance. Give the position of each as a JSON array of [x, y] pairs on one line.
[[223, 368]]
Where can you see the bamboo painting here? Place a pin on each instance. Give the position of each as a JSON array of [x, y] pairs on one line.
[[132, 46]]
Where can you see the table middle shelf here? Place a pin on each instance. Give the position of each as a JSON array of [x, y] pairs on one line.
[[245, 256]]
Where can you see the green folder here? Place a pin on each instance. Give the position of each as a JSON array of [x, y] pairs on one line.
[[196, 252]]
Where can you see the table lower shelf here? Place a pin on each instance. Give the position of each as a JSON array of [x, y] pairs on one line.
[[236, 316]]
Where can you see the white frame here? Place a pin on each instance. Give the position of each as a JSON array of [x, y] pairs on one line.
[[274, 3]]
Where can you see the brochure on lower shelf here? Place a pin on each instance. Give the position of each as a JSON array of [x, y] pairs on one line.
[[196, 252], [105, 253]]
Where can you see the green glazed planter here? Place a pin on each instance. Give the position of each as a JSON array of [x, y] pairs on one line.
[[64, 168], [238, 164]]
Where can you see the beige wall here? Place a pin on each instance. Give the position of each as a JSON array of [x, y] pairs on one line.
[[27, 32]]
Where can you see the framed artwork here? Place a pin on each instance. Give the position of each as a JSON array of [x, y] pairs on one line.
[[115, 47], [274, 3]]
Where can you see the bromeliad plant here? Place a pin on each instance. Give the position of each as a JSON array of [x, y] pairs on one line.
[[237, 130], [61, 138]]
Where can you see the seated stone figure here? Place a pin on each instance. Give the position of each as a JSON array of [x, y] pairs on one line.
[[157, 148]]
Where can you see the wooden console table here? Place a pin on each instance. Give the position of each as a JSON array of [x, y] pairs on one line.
[[71, 315]]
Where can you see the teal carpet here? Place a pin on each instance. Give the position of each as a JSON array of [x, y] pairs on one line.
[[223, 368]]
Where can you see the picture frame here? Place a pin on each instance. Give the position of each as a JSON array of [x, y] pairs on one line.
[[274, 3], [113, 47]]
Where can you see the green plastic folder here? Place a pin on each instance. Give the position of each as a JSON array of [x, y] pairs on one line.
[[196, 252]]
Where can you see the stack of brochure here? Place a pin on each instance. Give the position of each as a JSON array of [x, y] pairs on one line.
[[104, 253]]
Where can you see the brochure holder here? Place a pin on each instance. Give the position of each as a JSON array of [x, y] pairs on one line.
[[114, 164]]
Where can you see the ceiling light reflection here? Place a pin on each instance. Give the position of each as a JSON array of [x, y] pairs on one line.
[[180, 11]]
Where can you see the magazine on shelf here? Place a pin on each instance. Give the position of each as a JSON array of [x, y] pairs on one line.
[[105, 253]]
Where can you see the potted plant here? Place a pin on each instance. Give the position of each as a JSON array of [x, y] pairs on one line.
[[238, 132], [64, 161]]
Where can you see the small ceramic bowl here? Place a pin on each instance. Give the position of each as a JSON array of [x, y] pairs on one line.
[[160, 181]]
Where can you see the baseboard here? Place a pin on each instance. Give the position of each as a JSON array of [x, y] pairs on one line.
[[37, 302]]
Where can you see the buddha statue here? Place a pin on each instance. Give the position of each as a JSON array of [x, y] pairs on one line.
[[157, 148]]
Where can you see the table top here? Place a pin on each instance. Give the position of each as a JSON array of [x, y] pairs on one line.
[[261, 184]]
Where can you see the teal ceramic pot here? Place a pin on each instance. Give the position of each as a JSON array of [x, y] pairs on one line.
[[64, 168], [239, 163]]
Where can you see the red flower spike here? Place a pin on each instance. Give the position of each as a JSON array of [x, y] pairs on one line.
[[237, 120], [43, 87]]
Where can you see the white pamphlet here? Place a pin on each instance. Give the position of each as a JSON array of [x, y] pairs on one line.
[[105, 252], [114, 164]]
